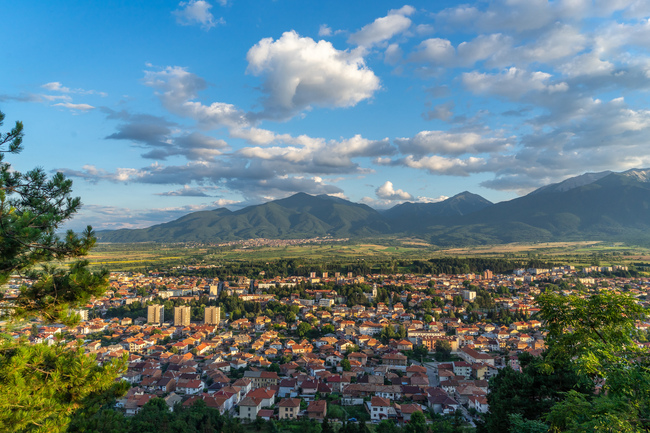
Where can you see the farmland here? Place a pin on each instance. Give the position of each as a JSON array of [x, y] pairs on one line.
[[131, 257]]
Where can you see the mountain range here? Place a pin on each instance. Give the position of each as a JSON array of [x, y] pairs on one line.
[[604, 206]]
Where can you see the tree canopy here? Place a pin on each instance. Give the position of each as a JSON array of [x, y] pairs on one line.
[[592, 377], [42, 386]]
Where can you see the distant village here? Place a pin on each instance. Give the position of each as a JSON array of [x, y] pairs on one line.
[[430, 343]]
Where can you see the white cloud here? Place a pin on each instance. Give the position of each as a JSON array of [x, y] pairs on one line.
[[512, 83], [300, 72], [393, 54], [178, 88], [56, 86], [447, 166], [55, 97], [388, 192], [196, 12], [318, 155], [482, 47], [74, 107], [587, 64], [434, 50], [324, 30], [383, 28], [450, 143], [431, 199]]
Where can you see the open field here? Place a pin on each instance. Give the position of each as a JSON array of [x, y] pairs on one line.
[[127, 257]]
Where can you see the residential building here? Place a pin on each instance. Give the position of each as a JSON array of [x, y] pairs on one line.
[[155, 314], [289, 408], [212, 315], [317, 409], [249, 407], [182, 316]]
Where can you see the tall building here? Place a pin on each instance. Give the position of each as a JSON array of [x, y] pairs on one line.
[[182, 316], [82, 313], [155, 314], [212, 315]]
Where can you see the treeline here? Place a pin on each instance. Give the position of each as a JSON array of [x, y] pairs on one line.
[[155, 417], [302, 267]]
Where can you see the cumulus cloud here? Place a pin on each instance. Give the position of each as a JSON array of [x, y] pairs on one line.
[[447, 166], [163, 139], [434, 50], [177, 88], [450, 143], [383, 28], [388, 192], [300, 73], [321, 156], [196, 12], [431, 199], [512, 83], [512, 15], [587, 64]]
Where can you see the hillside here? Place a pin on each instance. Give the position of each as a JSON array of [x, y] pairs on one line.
[[595, 206]]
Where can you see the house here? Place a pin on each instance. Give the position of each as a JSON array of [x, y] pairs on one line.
[[415, 369], [265, 394], [191, 387], [317, 410], [440, 402], [462, 368], [288, 388], [262, 379], [360, 357], [406, 410], [395, 359], [379, 408], [134, 404], [249, 407], [289, 408], [472, 356], [246, 385], [479, 403]]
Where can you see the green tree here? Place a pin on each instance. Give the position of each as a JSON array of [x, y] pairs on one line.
[[443, 350], [595, 334], [303, 329], [43, 386], [417, 424], [345, 364], [590, 339]]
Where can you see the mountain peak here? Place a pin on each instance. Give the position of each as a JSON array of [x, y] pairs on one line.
[[572, 182], [639, 174]]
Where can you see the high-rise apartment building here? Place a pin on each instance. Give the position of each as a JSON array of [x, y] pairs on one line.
[[155, 314], [182, 316], [212, 315]]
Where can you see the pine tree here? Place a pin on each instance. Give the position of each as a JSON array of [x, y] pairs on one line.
[[41, 386]]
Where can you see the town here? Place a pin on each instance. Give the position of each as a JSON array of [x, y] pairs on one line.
[[364, 348]]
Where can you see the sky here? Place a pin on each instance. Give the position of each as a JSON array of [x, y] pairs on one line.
[[158, 109]]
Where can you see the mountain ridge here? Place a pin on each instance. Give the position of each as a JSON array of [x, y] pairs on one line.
[[593, 206]]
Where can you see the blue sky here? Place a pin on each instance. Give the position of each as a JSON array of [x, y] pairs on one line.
[[157, 109]]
